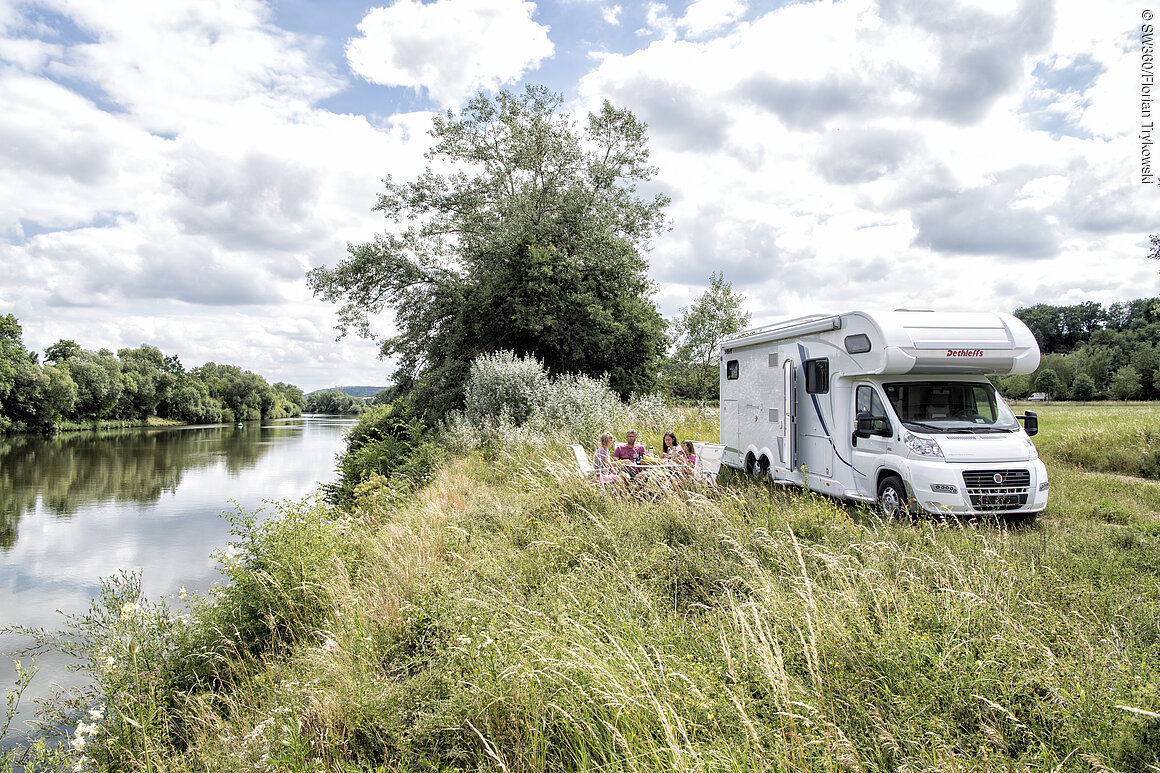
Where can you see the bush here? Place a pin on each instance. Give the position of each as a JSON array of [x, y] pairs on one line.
[[387, 444], [512, 401], [504, 385]]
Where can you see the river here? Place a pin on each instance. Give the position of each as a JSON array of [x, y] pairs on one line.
[[78, 507]]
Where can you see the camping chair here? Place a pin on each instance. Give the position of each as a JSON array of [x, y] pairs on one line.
[[708, 461], [585, 466]]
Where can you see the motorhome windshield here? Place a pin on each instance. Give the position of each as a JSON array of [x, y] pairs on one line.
[[950, 406]]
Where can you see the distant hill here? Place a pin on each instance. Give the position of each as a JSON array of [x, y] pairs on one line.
[[353, 391]]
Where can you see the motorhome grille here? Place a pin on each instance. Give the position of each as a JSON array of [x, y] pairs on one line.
[[997, 489]]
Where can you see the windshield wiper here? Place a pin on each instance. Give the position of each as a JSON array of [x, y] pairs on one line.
[[931, 427]]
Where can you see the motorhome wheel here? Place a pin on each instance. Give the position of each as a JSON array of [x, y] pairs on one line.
[[892, 496]]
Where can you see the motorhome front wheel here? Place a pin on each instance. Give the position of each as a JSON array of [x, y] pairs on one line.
[[892, 496]]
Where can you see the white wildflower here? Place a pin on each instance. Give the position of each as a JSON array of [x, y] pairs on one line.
[[130, 610]]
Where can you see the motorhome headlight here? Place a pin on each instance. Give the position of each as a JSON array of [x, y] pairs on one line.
[[923, 446], [1032, 451]]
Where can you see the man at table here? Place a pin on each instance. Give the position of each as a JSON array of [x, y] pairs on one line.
[[630, 451]]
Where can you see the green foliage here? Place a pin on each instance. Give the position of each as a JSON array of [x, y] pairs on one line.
[[1089, 340], [1083, 388], [532, 244], [191, 401], [692, 371], [1126, 384], [513, 402], [1047, 381], [503, 385], [62, 351], [83, 388], [333, 401], [389, 447], [1015, 387], [99, 386]]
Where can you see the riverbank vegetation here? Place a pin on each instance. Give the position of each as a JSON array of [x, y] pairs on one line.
[[488, 609], [80, 389]]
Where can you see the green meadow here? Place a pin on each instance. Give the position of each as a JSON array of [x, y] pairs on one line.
[[510, 616]]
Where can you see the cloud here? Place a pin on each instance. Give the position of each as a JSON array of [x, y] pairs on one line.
[[988, 220], [450, 48], [705, 16], [865, 154], [207, 64], [256, 202], [808, 105]]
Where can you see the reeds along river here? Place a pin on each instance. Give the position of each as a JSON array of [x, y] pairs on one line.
[[77, 507]]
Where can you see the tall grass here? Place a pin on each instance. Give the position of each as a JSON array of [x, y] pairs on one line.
[[1103, 437], [513, 617]]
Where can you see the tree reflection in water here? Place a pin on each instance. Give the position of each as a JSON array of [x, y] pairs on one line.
[[68, 471]]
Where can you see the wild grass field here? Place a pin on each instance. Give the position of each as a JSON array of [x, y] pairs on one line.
[[512, 617]]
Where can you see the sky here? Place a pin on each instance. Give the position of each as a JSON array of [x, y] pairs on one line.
[[169, 172]]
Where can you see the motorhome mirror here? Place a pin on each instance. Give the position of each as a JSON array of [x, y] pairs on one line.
[[1030, 422], [872, 425]]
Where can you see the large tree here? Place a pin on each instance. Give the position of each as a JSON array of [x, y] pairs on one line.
[[528, 237]]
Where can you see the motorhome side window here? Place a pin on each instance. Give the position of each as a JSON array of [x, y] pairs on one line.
[[732, 370], [867, 402], [817, 376]]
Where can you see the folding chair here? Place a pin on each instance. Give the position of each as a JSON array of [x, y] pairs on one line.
[[708, 463], [585, 467]]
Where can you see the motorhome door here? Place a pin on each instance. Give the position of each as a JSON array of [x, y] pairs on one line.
[[786, 445]]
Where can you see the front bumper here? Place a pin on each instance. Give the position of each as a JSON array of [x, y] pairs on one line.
[[1015, 488]]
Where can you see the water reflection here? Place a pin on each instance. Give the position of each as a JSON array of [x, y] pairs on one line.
[[72, 470], [79, 507]]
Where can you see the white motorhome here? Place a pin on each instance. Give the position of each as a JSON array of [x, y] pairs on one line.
[[886, 407]]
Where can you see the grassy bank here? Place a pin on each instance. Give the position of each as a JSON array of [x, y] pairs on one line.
[[511, 617], [98, 424]]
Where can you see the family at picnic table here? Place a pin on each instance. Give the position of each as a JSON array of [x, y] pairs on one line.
[[629, 461]]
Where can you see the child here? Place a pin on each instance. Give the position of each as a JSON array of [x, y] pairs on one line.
[[602, 461], [687, 456], [670, 448]]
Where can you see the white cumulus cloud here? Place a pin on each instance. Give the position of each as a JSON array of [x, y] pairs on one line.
[[451, 48]]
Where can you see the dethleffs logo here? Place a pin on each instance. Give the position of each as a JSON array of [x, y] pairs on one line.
[[964, 352]]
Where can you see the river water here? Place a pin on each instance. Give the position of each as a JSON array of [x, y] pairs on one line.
[[78, 507]]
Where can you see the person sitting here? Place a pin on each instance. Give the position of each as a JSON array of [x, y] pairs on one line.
[[602, 461], [629, 452], [687, 456], [669, 446]]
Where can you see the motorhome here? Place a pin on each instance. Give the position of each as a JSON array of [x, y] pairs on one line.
[[891, 408]]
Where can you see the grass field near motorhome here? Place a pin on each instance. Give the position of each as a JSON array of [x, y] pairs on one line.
[[1102, 460], [513, 617]]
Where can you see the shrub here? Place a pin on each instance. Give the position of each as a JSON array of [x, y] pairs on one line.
[[503, 385], [513, 402], [389, 445]]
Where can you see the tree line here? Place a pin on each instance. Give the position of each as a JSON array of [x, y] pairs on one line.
[[1090, 352], [80, 386]]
